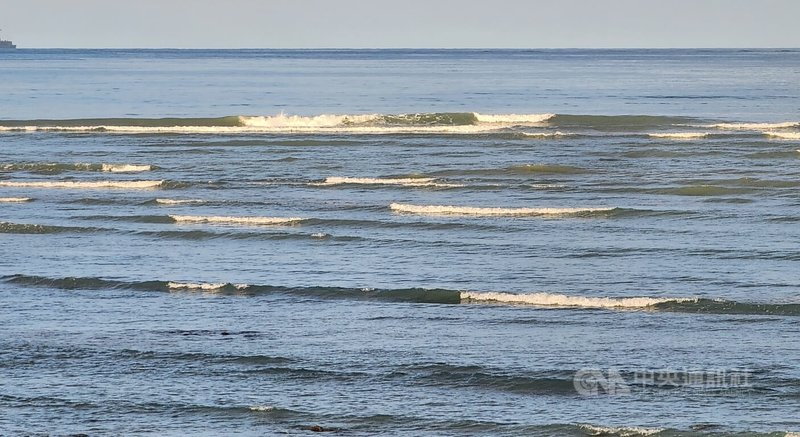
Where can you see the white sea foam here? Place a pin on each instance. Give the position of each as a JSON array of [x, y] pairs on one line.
[[756, 126], [327, 123], [408, 182], [246, 128], [477, 211], [297, 121], [205, 286], [320, 235], [549, 299], [252, 221], [262, 408], [627, 431], [783, 135], [14, 199], [178, 201], [83, 184], [513, 118], [679, 135], [546, 134], [548, 186], [125, 168]]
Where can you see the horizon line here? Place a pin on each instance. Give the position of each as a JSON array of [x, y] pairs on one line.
[[418, 48]]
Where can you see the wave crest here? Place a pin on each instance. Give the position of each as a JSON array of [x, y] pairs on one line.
[[783, 135], [407, 182], [482, 211], [84, 184], [549, 299], [679, 135], [512, 118], [60, 167], [229, 220], [125, 168], [204, 286], [756, 126], [629, 431], [178, 201]]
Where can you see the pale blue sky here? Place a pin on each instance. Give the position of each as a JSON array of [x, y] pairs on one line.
[[401, 23]]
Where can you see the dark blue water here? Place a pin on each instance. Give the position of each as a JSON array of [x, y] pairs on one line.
[[403, 242]]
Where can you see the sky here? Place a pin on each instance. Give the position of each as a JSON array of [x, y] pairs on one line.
[[400, 23]]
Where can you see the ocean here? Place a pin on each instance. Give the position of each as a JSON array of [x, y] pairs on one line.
[[400, 242]]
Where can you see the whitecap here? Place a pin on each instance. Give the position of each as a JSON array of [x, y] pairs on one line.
[[783, 135], [283, 121], [551, 299], [679, 135], [228, 220], [756, 126], [629, 431], [546, 134], [204, 286], [512, 118], [408, 182], [178, 201], [125, 168]]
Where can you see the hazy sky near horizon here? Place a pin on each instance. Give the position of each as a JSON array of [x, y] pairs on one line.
[[406, 23]]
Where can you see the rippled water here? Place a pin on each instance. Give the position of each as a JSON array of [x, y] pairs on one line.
[[400, 242]]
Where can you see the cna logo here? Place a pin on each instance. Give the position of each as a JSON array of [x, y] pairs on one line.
[[593, 382]]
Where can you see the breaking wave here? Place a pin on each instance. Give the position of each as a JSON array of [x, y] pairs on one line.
[[125, 168], [457, 122], [431, 123], [430, 295], [56, 167], [783, 135], [513, 118], [204, 286], [556, 134], [756, 126], [227, 220], [549, 299], [679, 135], [178, 201], [479, 211], [84, 184], [407, 182], [630, 431], [15, 199]]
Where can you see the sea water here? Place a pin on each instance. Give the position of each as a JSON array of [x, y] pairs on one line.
[[400, 242]]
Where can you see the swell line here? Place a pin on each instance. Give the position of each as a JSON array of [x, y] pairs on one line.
[[691, 305]]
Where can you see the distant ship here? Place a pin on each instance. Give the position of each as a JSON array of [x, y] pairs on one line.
[[4, 44]]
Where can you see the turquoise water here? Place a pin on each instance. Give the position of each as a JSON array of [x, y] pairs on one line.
[[402, 242]]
